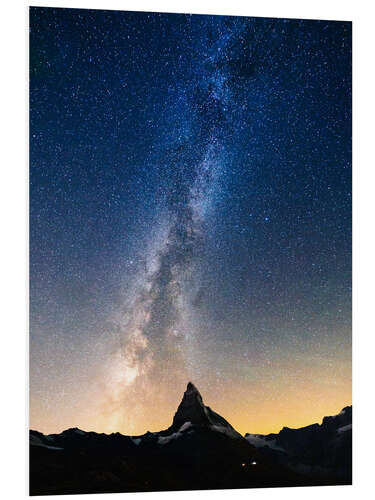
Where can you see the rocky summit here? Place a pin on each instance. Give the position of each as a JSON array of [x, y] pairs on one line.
[[192, 410]]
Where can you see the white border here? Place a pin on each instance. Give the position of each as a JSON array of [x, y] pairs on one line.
[[13, 210]]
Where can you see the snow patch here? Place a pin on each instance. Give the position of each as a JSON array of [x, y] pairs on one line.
[[51, 447], [226, 430], [260, 442], [185, 426], [345, 428], [167, 439], [35, 441]]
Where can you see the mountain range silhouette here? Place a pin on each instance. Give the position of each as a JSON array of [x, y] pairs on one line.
[[200, 450]]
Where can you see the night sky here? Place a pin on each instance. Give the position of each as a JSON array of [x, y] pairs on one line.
[[190, 219]]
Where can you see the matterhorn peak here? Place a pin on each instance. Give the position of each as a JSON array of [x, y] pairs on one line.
[[192, 410], [191, 387]]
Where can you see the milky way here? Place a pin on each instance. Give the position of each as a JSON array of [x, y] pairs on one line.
[[156, 336], [190, 188]]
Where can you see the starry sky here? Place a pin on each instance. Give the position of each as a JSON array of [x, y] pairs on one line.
[[190, 219]]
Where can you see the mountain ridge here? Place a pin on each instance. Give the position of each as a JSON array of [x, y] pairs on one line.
[[199, 450], [324, 448]]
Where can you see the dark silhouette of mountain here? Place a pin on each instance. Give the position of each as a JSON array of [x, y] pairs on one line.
[[318, 449], [192, 410], [200, 450]]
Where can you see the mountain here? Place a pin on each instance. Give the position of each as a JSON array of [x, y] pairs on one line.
[[318, 449], [200, 450], [192, 413]]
